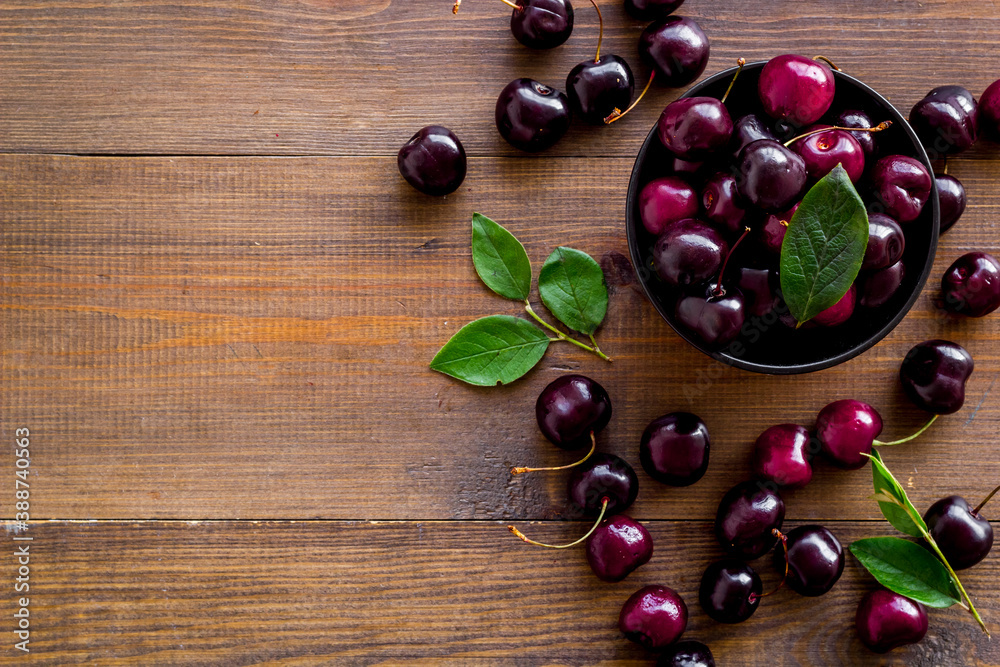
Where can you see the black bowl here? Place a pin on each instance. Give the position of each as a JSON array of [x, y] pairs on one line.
[[768, 346]]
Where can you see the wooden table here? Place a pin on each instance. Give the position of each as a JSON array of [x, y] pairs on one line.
[[220, 301]]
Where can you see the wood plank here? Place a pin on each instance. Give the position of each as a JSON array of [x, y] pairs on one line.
[[207, 338], [241, 593], [358, 78]]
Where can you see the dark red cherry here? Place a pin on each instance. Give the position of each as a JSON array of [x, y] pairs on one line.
[[617, 547], [876, 288], [796, 89], [772, 232], [433, 161], [933, 375], [721, 202], [688, 252], [815, 560], [846, 430], [602, 476], [730, 591], [756, 286], [531, 116], [653, 617], [989, 112], [716, 319], [945, 120], [687, 653], [748, 129], [542, 24], [651, 10], [859, 119], [674, 449], [676, 48], [951, 195], [596, 89], [693, 128], [747, 514], [666, 200], [902, 185], [971, 285], [570, 408], [963, 535], [886, 242], [839, 312], [887, 620], [781, 454], [771, 175], [825, 150]]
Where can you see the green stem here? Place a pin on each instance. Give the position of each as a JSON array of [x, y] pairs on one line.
[[972, 607], [561, 336], [597, 350], [923, 428]]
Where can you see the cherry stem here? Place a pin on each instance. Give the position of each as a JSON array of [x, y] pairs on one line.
[[784, 544], [616, 114], [458, 3], [600, 34], [879, 443], [884, 125], [986, 500], [741, 62], [718, 291], [521, 536], [827, 61], [593, 446], [561, 336]]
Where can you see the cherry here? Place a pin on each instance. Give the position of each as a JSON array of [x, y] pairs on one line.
[[570, 409], [951, 195], [717, 319], [772, 232], [781, 455], [989, 112], [859, 119], [654, 617], [730, 591], [887, 620], [542, 24], [839, 312], [666, 200], [945, 120], [815, 560], [617, 547], [688, 653], [933, 375], [825, 150], [903, 185], [676, 49], [674, 449], [747, 515], [721, 202], [879, 286], [796, 89], [433, 161], [971, 285], [531, 116], [748, 129], [599, 87], [603, 476], [651, 10], [886, 242], [755, 285], [846, 430], [689, 251], [772, 176], [961, 533], [693, 128]]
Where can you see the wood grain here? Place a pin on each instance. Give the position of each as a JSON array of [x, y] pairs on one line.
[[462, 593], [210, 338], [345, 77]]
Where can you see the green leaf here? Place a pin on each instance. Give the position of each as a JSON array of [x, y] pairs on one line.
[[908, 569], [500, 259], [909, 522], [824, 246], [498, 348], [571, 285]]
